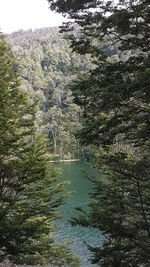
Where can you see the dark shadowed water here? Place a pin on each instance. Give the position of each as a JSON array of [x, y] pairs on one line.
[[73, 172]]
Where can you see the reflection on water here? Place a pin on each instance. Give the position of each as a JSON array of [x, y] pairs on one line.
[[73, 172]]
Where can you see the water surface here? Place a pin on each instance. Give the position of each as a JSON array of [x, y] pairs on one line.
[[73, 172]]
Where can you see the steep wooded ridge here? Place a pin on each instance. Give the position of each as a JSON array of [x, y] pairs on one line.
[[48, 65]]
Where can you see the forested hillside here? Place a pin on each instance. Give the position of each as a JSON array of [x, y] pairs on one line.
[[47, 66]]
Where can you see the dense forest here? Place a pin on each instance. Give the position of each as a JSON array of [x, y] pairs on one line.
[[47, 65], [65, 94]]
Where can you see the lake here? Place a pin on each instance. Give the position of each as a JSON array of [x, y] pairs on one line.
[[81, 186]]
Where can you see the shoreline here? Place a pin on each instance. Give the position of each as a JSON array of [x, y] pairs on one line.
[[65, 160]]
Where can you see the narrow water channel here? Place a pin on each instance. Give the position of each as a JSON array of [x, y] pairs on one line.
[[81, 186]]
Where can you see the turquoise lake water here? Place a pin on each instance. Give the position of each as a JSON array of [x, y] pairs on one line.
[[81, 186]]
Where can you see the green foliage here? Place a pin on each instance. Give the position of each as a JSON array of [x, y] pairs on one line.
[[115, 99], [29, 191], [48, 65]]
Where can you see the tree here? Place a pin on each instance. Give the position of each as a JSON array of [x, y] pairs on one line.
[[62, 126], [115, 99], [29, 192]]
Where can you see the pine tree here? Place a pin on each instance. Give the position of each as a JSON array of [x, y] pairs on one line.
[[115, 99], [29, 191]]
